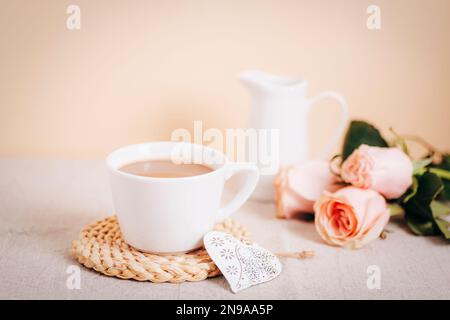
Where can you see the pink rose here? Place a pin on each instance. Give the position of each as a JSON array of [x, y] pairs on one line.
[[351, 217], [298, 187], [385, 170]]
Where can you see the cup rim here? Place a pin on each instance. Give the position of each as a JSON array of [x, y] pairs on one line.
[[115, 170]]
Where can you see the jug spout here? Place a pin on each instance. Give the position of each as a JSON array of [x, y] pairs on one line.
[[259, 81]]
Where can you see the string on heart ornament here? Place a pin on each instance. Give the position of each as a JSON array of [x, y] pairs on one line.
[[242, 264]]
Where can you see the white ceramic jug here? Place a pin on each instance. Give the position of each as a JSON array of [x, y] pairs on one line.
[[280, 103]]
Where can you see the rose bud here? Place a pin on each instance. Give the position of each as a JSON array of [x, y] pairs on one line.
[[351, 217], [385, 170], [297, 187]]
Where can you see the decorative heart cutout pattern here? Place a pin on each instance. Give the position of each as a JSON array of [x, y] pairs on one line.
[[242, 265]]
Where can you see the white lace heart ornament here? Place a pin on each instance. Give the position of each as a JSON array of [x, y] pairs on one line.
[[242, 265]]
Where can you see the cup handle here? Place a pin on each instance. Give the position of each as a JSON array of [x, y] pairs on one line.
[[251, 179], [344, 117]]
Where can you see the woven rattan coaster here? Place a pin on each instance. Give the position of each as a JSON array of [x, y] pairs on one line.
[[100, 247]]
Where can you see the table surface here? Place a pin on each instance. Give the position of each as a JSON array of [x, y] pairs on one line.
[[45, 203]]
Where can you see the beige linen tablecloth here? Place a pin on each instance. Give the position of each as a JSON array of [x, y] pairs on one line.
[[45, 203]]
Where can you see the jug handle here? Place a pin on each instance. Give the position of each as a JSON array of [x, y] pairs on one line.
[[344, 117]]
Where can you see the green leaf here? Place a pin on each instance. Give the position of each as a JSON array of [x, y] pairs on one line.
[[419, 215], [412, 190], [422, 227], [419, 169], [358, 133], [444, 165], [446, 191], [441, 214], [419, 165]]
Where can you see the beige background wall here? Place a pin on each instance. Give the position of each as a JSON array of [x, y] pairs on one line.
[[139, 69]]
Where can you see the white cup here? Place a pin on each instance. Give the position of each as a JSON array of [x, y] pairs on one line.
[[167, 215]]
